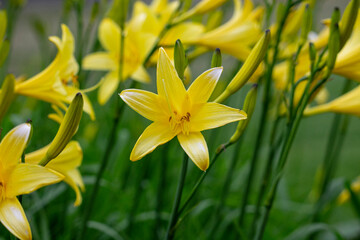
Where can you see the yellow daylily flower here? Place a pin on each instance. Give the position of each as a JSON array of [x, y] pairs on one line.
[[176, 111], [18, 178], [66, 163], [57, 84], [244, 27], [349, 103], [137, 46]]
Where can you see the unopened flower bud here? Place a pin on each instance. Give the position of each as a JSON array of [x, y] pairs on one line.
[[347, 21], [249, 107], [333, 47], [306, 24], [6, 94], [67, 129], [249, 67], [312, 52], [216, 58], [180, 59]]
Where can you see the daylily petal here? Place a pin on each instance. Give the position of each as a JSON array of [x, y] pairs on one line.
[[169, 85], [145, 103], [203, 86], [73, 178], [99, 61], [154, 135], [13, 145], [69, 158], [109, 35], [195, 147], [13, 217], [141, 75], [66, 163], [26, 178], [108, 87], [213, 115]]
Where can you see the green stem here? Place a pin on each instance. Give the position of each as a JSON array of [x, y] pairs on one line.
[[266, 100], [79, 6], [289, 138], [226, 188], [329, 162], [267, 174], [104, 162], [139, 191], [202, 177], [333, 148], [160, 192], [119, 107], [170, 234]]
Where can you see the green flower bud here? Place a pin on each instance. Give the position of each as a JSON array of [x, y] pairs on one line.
[[67, 129], [7, 94], [347, 21], [249, 107], [312, 52], [250, 65], [216, 58], [180, 59], [306, 24], [333, 48]]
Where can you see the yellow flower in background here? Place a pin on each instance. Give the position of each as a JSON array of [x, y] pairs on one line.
[[137, 46], [238, 35], [202, 7], [66, 163], [146, 19], [348, 60], [345, 195], [349, 103], [18, 178], [57, 84], [176, 111]]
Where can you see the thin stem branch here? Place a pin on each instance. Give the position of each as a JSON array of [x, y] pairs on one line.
[[266, 101], [119, 107], [175, 213]]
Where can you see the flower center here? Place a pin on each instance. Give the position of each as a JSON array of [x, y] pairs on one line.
[[180, 123]]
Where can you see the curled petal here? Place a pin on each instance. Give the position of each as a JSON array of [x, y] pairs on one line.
[[195, 147], [13, 217]]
